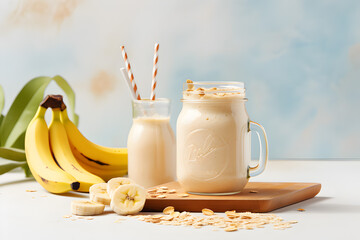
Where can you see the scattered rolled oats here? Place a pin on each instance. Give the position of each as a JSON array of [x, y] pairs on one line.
[[161, 196], [190, 84], [67, 216], [233, 221], [164, 188], [172, 191], [168, 218], [221, 225], [199, 224], [155, 220], [31, 190], [230, 212], [168, 210], [253, 191], [183, 195], [207, 212], [161, 191], [152, 190], [175, 214], [230, 229], [301, 209], [183, 215]]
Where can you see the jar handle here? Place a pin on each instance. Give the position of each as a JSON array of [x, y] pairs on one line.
[[260, 166]]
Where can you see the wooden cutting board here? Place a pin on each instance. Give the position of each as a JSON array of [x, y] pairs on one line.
[[256, 197]]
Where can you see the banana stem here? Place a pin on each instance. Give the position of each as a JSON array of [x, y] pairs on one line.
[[56, 114], [53, 101], [40, 113], [64, 116]]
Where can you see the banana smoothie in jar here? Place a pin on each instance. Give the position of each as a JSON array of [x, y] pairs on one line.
[[214, 138], [151, 143]]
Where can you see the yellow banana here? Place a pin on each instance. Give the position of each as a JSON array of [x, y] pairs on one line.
[[40, 160], [63, 155], [106, 172], [96, 155]]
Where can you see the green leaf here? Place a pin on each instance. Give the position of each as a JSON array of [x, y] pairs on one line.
[[22, 110], [2, 99], [1, 118], [70, 95], [14, 124], [12, 154], [20, 141], [27, 170], [4, 168]]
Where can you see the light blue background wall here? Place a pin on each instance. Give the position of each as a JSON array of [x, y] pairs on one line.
[[300, 61]]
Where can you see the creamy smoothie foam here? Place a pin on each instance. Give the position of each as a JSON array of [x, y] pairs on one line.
[[213, 139]]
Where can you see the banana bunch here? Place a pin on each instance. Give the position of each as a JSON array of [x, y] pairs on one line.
[[61, 159], [122, 194]]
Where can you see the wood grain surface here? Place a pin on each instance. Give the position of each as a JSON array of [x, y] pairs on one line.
[[256, 197]]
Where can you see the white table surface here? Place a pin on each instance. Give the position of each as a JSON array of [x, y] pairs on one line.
[[333, 214]]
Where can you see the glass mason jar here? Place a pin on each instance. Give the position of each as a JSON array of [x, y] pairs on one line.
[[151, 143], [214, 138]]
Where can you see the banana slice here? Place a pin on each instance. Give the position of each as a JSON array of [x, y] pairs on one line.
[[128, 199], [114, 183], [86, 208], [98, 193]]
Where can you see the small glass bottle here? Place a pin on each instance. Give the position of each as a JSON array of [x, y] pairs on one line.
[[151, 143]]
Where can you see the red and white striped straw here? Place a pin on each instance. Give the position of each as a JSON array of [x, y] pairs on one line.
[[153, 83], [130, 74]]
